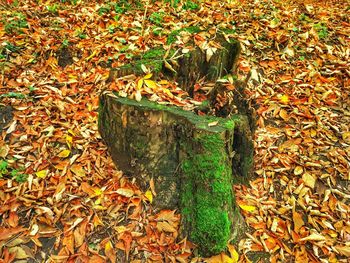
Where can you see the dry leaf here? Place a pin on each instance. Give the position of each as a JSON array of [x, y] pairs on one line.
[[149, 196], [151, 84], [298, 221], [64, 154], [343, 250], [4, 150], [298, 170], [309, 180], [164, 226], [110, 251], [19, 252], [313, 237], [125, 192], [233, 253], [248, 208], [42, 174]]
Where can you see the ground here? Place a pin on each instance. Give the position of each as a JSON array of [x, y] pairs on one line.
[[62, 198]]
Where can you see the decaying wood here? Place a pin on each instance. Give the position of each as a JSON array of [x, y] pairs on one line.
[[192, 160]]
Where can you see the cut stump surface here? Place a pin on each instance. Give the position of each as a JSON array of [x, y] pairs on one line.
[[191, 159]]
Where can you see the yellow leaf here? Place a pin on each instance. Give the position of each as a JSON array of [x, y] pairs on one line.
[[309, 180], [64, 154], [284, 99], [344, 250], [313, 237], [226, 259], [42, 174], [19, 252], [139, 83], [346, 137], [149, 196], [92, 55], [78, 170], [168, 92], [71, 132], [163, 82], [110, 252], [214, 259], [151, 84], [97, 221], [298, 170], [233, 253], [99, 207], [248, 208], [168, 66], [148, 76], [69, 140], [125, 192], [98, 191]]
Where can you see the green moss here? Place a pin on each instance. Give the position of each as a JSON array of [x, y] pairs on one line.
[[155, 53], [230, 125], [172, 36], [207, 168], [201, 122]]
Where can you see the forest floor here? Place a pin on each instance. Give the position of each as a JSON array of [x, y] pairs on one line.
[[63, 200]]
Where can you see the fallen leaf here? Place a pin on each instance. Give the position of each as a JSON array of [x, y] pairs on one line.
[[233, 253], [149, 196], [125, 192], [309, 180], [64, 154], [313, 237], [110, 252], [4, 150], [6, 233], [42, 174], [284, 99], [19, 252], [248, 208], [298, 221], [298, 170], [164, 226], [343, 250], [151, 84]]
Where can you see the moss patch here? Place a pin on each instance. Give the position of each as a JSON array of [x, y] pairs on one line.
[[207, 209], [172, 36]]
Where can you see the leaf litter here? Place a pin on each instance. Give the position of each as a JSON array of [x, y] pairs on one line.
[[62, 198]]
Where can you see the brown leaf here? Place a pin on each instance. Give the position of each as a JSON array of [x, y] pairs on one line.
[[165, 227]]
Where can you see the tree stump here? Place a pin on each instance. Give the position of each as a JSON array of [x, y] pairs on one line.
[[193, 160]]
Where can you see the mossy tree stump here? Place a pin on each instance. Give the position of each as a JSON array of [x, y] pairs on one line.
[[193, 160]]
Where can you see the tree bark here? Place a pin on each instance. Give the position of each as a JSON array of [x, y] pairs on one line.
[[193, 160]]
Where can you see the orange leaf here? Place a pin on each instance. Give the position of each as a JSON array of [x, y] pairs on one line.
[[298, 221], [127, 239], [6, 233], [68, 241], [13, 219]]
